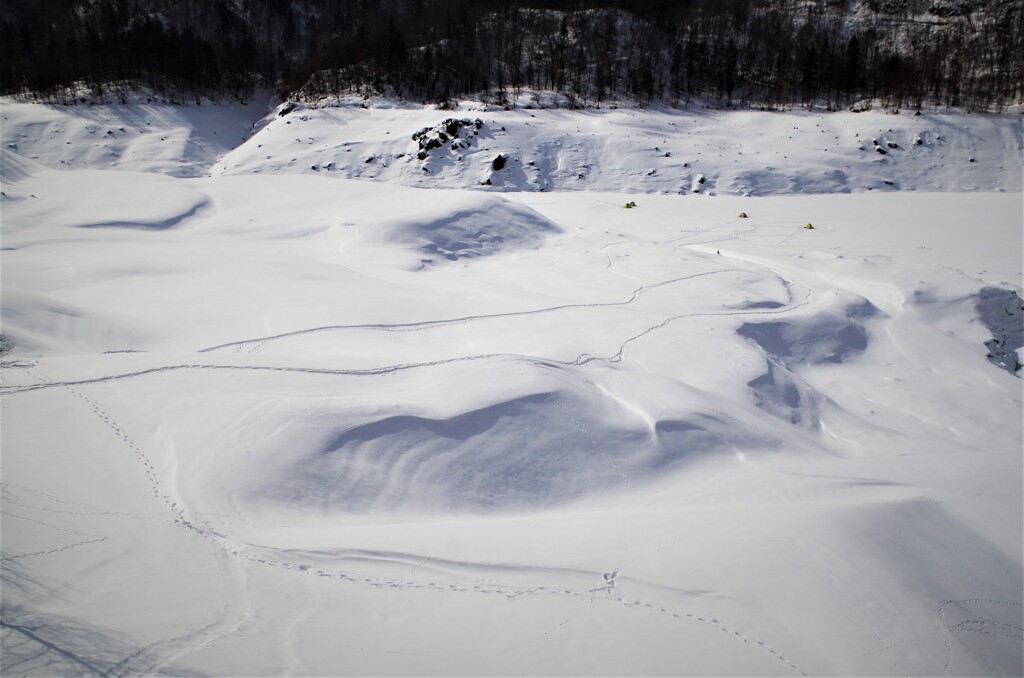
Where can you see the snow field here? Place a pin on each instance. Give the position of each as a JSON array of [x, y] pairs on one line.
[[305, 425]]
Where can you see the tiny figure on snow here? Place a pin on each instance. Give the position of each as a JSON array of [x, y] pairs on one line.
[[809, 227], [743, 215]]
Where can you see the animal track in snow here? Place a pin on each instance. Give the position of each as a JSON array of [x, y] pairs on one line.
[[989, 627]]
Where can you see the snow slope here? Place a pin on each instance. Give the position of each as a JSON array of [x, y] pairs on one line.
[[645, 151], [275, 421]]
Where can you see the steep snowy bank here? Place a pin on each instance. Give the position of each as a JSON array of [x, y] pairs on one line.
[[649, 151]]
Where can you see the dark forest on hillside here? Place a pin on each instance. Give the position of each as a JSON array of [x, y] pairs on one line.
[[964, 53]]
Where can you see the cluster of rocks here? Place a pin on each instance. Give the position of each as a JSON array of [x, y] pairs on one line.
[[880, 150], [455, 133]]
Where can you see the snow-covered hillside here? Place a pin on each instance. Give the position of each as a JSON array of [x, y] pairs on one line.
[[646, 151], [263, 419]]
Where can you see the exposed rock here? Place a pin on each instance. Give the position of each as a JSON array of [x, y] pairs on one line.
[[456, 133]]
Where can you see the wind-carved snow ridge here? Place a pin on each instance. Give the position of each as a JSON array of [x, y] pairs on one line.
[[813, 340], [528, 453], [1002, 311], [485, 227], [84, 199], [826, 337]]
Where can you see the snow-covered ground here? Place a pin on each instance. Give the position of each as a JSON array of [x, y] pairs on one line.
[[645, 151], [261, 418]]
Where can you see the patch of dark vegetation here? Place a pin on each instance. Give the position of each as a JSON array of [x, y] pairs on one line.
[[759, 53]]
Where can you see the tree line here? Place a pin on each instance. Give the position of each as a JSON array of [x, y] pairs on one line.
[[732, 52]]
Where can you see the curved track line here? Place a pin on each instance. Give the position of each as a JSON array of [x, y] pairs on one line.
[[66, 547], [965, 625], [582, 359], [430, 324], [602, 593]]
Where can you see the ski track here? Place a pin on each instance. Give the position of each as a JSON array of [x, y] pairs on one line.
[[636, 293], [581, 359], [290, 657], [97, 537], [430, 324], [8, 496], [152, 658], [66, 547]]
